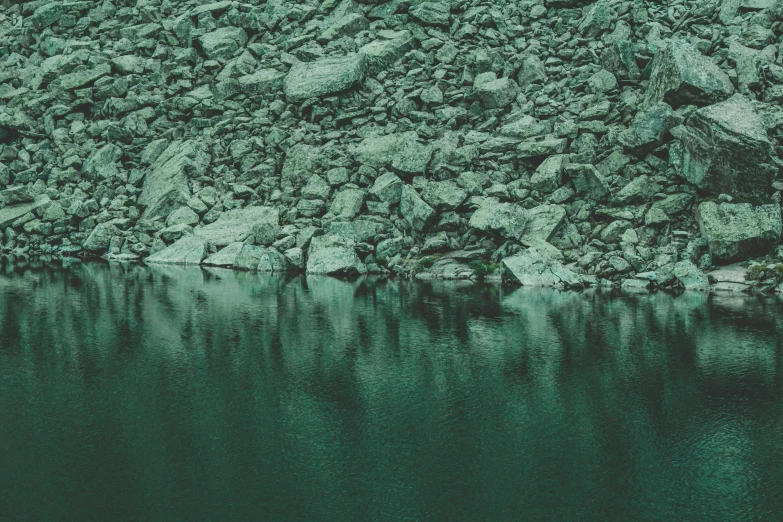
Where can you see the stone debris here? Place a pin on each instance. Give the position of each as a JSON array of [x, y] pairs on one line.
[[560, 142]]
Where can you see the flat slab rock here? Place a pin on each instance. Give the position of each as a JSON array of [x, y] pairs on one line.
[[237, 225], [189, 250], [323, 77]]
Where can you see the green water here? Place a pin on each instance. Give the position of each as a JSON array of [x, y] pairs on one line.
[[130, 393]]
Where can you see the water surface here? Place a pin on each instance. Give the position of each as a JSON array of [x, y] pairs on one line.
[[134, 393]]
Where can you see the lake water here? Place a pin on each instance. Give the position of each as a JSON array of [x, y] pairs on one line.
[[134, 393]]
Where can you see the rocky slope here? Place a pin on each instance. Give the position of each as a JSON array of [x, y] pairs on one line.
[[556, 142]]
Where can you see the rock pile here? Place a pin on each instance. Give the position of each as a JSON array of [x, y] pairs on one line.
[[560, 142]]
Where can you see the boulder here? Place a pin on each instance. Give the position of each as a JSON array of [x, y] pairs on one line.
[[383, 53], [724, 149], [238, 224], [415, 210], [226, 257], [587, 181], [735, 232], [189, 250], [508, 219], [543, 222], [690, 277], [495, 93], [10, 213], [403, 152], [324, 77], [347, 203], [682, 75], [549, 175], [261, 82], [387, 188], [272, 260], [334, 255], [431, 13], [223, 43], [300, 164], [444, 195], [537, 266], [166, 185], [100, 237]]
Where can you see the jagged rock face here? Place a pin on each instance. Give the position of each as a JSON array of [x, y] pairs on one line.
[[409, 128], [737, 231], [724, 149]]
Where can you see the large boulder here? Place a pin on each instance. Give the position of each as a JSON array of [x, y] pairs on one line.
[[189, 250], [725, 149], [100, 237], [403, 152], [682, 75], [444, 195], [238, 224], [415, 210], [382, 53], [538, 266], [736, 232], [544, 221], [225, 257], [10, 213], [507, 219], [334, 255], [387, 188], [166, 185], [223, 43], [324, 77]]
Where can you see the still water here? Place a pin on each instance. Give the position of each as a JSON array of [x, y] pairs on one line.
[[134, 393]]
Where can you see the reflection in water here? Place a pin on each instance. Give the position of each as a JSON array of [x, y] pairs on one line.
[[135, 393]]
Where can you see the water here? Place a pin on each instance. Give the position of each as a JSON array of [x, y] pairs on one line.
[[130, 393]]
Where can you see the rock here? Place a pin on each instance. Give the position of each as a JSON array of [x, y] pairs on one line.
[[532, 71], [316, 188], [736, 232], [587, 181], [387, 188], [237, 225], [544, 221], [508, 219], [691, 277], [166, 185], [223, 43], [383, 53], [431, 13], [402, 152], [725, 149], [637, 190], [190, 250], [549, 175], [100, 237], [649, 126], [183, 215], [597, 19], [682, 75], [333, 255], [324, 77], [414, 210], [444, 195], [261, 82], [496, 93], [537, 267], [347, 203], [225, 257], [273, 261], [300, 163]]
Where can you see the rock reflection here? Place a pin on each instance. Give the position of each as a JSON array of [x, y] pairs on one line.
[[184, 390]]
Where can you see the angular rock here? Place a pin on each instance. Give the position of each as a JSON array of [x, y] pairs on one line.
[[544, 221], [444, 195], [735, 232], [383, 53], [166, 185], [223, 43], [237, 225], [508, 219], [691, 277], [725, 149], [682, 75], [273, 261], [387, 188], [538, 268], [402, 152], [225, 257], [261, 82], [587, 181], [414, 210], [190, 250], [100, 237], [324, 77], [549, 175], [334, 255], [300, 164], [347, 203], [496, 93], [431, 13]]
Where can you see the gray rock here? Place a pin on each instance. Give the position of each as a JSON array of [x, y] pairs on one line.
[[735, 232], [431, 13], [316, 188], [549, 175], [508, 219], [237, 225], [300, 163], [543, 222], [444, 195], [100, 237], [496, 93], [190, 250], [383, 53], [415, 210], [166, 185], [324, 77], [691, 277], [223, 43], [587, 181], [347, 203], [537, 267], [725, 149], [334, 255], [261, 82], [273, 261], [402, 152], [387, 188], [225, 257], [682, 75]]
